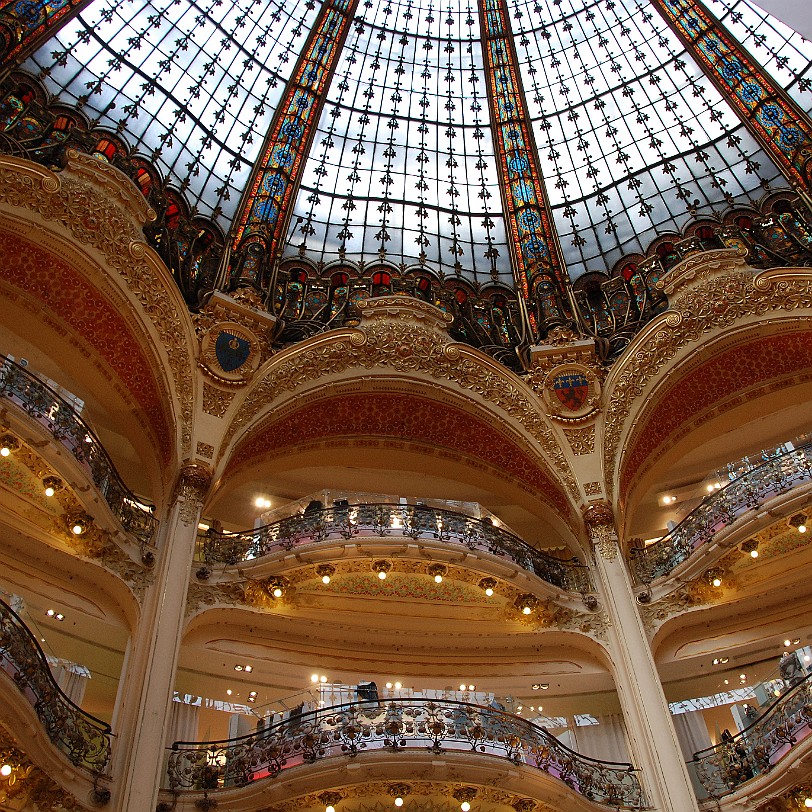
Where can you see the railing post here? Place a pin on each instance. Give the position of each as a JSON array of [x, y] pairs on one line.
[[648, 721], [142, 712]]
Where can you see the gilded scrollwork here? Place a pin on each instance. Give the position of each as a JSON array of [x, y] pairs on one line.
[[581, 440], [216, 401], [600, 522], [718, 296]]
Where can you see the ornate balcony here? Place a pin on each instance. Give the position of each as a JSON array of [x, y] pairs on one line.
[[388, 520], [54, 413], [776, 476], [757, 749], [438, 726], [84, 739]]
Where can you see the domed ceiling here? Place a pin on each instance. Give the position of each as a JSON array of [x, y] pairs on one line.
[[631, 138]]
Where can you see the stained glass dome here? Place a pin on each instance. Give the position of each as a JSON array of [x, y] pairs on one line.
[[631, 139]]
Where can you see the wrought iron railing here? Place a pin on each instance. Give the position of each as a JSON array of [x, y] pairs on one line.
[[757, 748], [83, 738], [438, 726], [53, 412], [747, 492], [382, 520]]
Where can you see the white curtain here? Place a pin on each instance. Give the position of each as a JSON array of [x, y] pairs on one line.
[[692, 733], [183, 720], [605, 741], [71, 678]]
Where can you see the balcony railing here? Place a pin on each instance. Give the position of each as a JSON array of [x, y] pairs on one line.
[[778, 475], [84, 739], [437, 726], [757, 748], [382, 520], [53, 412]]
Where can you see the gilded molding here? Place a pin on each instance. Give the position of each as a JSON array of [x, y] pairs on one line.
[[101, 208], [216, 401], [720, 294], [600, 522], [581, 440], [397, 339]]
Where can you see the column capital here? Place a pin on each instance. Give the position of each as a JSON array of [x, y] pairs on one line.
[[599, 519], [191, 489]]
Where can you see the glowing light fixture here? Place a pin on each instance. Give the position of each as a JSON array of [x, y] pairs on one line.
[[751, 547], [489, 585], [330, 799], [464, 795], [382, 568], [277, 586], [526, 603], [798, 521], [325, 572], [52, 484], [8, 444], [5, 770], [399, 792], [437, 571]]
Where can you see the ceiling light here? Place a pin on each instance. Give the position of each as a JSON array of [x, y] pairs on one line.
[[437, 571], [79, 524], [325, 572], [330, 799], [787, 643], [714, 576], [8, 443], [51, 612], [277, 586], [798, 521], [472, 687], [322, 679], [59, 616], [751, 547], [399, 792], [462, 686], [389, 685], [465, 795], [314, 677], [228, 691], [5, 770], [382, 568], [710, 489], [238, 667], [52, 484], [489, 585], [398, 686], [535, 686], [249, 669], [808, 803], [526, 603]]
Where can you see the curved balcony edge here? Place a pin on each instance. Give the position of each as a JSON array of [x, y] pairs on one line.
[[721, 509], [84, 739], [56, 415], [383, 520], [398, 725], [756, 750]]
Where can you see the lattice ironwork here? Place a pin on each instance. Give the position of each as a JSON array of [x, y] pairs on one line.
[[50, 410], [778, 475], [387, 520], [439, 726], [83, 738]]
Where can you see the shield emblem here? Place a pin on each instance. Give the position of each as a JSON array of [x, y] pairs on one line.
[[231, 351], [572, 390]]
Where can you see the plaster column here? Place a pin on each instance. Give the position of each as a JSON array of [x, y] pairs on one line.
[[143, 711], [648, 720]]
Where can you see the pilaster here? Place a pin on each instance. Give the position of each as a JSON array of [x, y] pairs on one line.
[[648, 721], [143, 706]]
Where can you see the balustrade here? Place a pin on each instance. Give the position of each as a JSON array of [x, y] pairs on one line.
[[778, 475], [53, 412], [83, 738], [383, 520], [757, 748], [437, 726]]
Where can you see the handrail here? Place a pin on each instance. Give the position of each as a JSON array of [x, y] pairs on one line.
[[382, 520], [83, 738], [397, 724], [53, 412], [721, 769], [775, 476]]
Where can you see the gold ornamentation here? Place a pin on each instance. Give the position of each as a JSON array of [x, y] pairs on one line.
[[204, 450], [29, 787], [191, 490], [714, 302], [571, 392], [100, 207], [582, 440], [216, 401], [600, 522], [593, 488], [690, 596]]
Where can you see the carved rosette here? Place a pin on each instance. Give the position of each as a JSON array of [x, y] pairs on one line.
[[600, 523], [193, 485]]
